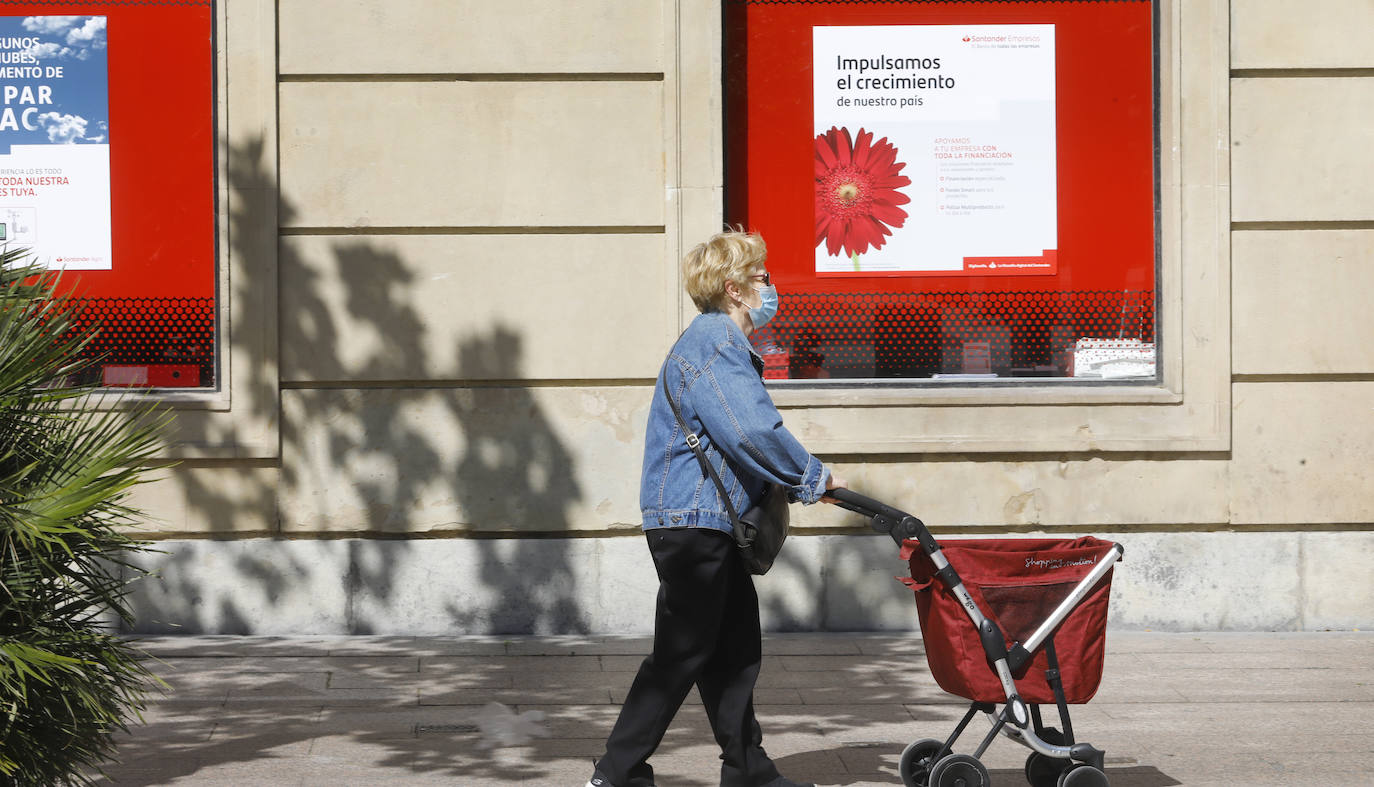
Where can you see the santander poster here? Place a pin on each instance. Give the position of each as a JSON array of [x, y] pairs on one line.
[[55, 140], [935, 150]]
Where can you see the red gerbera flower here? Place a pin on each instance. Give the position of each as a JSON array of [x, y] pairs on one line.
[[856, 191]]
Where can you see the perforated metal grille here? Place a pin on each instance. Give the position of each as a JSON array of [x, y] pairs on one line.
[[152, 332], [876, 334]]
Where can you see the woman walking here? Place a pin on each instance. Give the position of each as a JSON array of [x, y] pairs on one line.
[[706, 626]]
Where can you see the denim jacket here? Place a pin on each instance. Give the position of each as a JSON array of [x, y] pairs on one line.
[[717, 380]]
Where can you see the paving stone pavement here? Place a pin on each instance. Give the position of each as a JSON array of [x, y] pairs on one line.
[[1173, 709]]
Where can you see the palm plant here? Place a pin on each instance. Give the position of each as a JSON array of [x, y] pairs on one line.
[[67, 682]]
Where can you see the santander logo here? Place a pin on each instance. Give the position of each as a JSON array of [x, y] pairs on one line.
[[967, 39]]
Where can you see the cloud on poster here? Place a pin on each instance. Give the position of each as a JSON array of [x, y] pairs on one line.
[[91, 33], [63, 129], [48, 50], [104, 129], [81, 34], [47, 25]]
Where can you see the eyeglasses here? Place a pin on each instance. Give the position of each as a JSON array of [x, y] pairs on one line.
[[766, 278]]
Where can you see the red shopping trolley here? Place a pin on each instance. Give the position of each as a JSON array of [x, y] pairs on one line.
[[1017, 622]]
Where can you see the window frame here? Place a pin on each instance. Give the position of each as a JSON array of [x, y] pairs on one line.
[[1187, 407], [218, 397]]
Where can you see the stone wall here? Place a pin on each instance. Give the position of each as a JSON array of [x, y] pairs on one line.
[[446, 325]]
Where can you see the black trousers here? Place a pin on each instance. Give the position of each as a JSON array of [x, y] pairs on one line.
[[706, 633]]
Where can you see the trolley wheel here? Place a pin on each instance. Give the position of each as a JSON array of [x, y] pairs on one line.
[[1043, 771], [959, 770], [917, 761], [1083, 776]]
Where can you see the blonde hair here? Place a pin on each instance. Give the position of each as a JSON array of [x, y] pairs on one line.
[[726, 256]]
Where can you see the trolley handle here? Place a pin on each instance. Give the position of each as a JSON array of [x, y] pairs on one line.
[[885, 519]]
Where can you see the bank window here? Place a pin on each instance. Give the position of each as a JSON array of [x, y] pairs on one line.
[[107, 153], [951, 192]]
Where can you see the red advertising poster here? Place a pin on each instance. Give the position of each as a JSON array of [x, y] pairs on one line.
[[110, 112], [947, 189]]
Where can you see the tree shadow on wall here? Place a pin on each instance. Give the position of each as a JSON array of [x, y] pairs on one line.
[[371, 454], [514, 471]]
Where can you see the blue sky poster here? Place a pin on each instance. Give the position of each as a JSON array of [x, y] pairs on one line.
[[55, 140]]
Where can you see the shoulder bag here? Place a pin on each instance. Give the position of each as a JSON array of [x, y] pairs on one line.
[[760, 531]]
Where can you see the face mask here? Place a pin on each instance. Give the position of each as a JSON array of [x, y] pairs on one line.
[[760, 315]]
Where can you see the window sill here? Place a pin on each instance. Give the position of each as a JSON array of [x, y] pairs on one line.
[[1010, 391], [176, 399]]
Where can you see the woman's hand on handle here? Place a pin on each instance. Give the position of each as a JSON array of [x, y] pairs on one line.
[[833, 482]]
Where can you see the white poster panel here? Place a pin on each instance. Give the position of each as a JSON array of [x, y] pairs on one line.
[[54, 140], [935, 150]]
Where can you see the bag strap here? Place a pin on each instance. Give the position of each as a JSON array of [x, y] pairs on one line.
[[694, 443]]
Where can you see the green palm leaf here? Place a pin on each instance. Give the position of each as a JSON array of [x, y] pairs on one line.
[[67, 684]]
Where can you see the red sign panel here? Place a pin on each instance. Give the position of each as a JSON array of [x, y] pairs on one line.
[[156, 303]]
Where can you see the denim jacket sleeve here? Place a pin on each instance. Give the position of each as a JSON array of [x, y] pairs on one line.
[[736, 410]]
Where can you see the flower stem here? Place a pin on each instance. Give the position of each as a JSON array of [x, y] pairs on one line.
[[854, 258]]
